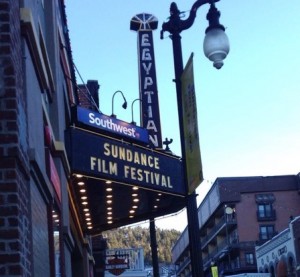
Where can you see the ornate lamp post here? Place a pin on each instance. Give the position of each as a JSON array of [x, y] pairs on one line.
[[216, 48]]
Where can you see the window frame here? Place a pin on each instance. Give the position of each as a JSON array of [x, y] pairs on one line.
[[249, 258], [268, 234]]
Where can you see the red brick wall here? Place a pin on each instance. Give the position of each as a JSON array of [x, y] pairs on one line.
[[286, 204], [246, 218], [15, 225]]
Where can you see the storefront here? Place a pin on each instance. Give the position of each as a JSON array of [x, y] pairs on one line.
[[280, 255]]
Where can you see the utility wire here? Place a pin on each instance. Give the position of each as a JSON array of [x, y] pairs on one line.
[[87, 89]]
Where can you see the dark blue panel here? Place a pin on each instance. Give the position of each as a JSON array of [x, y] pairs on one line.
[[112, 125], [106, 158]]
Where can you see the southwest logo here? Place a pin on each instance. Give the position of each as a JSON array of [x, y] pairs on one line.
[[112, 125]]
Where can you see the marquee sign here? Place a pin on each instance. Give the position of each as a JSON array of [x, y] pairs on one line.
[[144, 24], [111, 125], [106, 158]]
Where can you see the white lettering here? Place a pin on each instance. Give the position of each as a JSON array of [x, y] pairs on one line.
[[150, 161], [145, 40], [148, 82], [106, 149], [147, 68], [154, 140], [151, 125], [140, 175], [121, 153], [103, 166], [157, 178], [110, 125], [150, 114], [149, 98], [148, 88], [146, 55], [136, 158], [147, 177], [144, 159], [128, 155], [93, 162], [126, 171]]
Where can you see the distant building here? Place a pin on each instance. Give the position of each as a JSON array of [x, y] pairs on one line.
[[280, 255], [238, 214], [164, 270], [88, 95]]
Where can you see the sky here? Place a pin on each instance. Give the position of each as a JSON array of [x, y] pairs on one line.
[[248, 111]]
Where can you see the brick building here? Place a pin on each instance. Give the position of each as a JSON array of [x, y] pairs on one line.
[[236, 215], [40, 234]]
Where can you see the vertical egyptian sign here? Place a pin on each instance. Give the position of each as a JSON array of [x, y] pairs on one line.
[[144, 24], [190, 126]]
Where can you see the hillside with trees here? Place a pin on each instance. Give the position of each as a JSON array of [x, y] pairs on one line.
[[140, 237]]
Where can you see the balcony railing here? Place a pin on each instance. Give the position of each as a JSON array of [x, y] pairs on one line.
[[236, 266], [225, 248], [220, 250], [183, 265], [214, 231]]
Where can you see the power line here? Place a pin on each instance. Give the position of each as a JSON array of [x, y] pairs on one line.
[[89, 96]]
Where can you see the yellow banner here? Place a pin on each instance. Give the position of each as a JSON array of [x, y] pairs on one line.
[[214, 271], [190, 126]]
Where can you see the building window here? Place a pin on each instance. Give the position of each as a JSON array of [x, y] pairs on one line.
[[264, 198], [265, 212], [265, 209], [56, 240], [249, 257], [266, 232]]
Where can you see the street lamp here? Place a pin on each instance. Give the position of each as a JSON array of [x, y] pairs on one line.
[[132, 120], [124, 106], [216, 48], [215, 45]]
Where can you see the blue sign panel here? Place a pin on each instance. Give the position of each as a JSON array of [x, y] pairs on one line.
[[105, 158], [148, 88], [112, 125]]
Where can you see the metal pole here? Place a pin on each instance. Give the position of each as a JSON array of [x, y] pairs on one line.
[[154, 248], [173, 26], [191, 201]]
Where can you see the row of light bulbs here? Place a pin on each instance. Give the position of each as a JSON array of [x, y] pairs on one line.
[[109, 202], [55, 218], [84, 202]]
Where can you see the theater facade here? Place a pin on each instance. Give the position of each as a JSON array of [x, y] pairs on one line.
[[67, 172]]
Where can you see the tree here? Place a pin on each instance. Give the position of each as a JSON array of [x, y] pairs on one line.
[[140, 237]]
